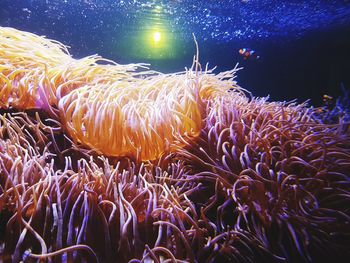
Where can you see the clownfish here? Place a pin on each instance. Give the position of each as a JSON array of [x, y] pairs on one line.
[[327, 98], [248, 53], [328, 101]]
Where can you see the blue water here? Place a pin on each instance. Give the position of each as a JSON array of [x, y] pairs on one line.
[[304, 46]]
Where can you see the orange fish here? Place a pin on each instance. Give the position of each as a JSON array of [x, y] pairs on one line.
[[248, 53]]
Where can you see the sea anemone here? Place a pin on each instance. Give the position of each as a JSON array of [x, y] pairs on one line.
[[34, 70], [104, 162], [105, 107], [94, 213], [274, 171]]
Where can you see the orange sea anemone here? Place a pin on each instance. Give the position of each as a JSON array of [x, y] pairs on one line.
[[110, 108], [33, 68]]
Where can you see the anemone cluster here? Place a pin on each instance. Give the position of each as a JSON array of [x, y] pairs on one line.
[[210, 175]]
